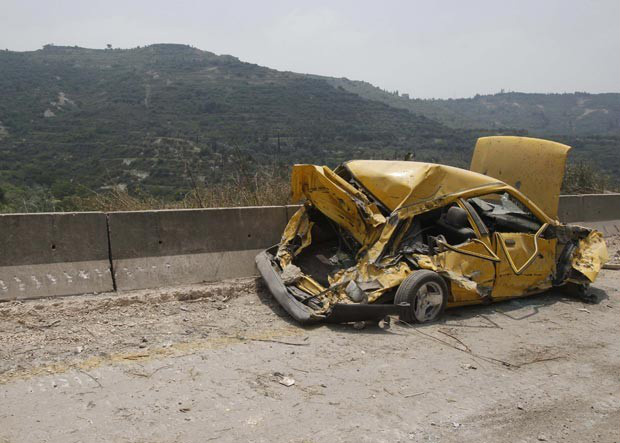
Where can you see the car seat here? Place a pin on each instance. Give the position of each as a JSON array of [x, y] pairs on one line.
[[456, 225]]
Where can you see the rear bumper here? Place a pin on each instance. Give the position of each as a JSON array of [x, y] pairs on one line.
[[340, 313], [300, 312]]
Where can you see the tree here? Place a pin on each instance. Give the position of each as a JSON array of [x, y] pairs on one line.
[[109, 46]]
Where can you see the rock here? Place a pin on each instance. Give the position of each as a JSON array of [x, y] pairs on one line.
[[287, 381], [283, 379], [385, 323]]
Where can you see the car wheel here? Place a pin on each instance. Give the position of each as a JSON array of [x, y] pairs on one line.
[[427, 295]]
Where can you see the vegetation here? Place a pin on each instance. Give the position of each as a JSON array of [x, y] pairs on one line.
[[269, 186], [583, 178], [576, 114], [173, 126], [264, 188], [78, 120]]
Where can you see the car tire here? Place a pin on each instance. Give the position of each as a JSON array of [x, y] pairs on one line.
[[426, 293]]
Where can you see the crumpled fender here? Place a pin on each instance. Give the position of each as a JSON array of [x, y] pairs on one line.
[[591, 255], [338, 200]]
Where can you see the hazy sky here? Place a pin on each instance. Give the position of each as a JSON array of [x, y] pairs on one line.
[[425, 48]]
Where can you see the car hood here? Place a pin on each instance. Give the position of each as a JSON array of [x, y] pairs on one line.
[[533, 166]]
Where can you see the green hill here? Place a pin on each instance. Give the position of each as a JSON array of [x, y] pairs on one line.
[[166, 118], [154, 116], [577, 114]]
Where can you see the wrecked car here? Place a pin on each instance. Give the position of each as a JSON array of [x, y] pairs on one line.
[[376, 238]]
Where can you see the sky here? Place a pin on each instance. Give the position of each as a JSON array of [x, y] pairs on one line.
[[428, 49]]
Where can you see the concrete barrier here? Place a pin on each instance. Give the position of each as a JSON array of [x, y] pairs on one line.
[[570, 208], [589, 207], [43, 255], [598, 211], [601, 207], [159, 248]]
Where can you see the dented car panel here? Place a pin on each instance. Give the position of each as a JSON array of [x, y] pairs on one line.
[[398, 184], [514, 277], [471, 277], [533, 166], [590, 255], [369, 230], [337, 199]]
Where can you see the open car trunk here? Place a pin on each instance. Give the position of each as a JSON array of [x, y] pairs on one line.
[[323, 239]]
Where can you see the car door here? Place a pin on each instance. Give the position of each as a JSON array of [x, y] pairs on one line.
[[526, 264], [471, 264], [520, 240]]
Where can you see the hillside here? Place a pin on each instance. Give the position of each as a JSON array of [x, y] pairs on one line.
[[166, 119], [577, 114], [163, 116]]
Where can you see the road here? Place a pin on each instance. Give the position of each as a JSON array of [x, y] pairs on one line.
[[222, 362]]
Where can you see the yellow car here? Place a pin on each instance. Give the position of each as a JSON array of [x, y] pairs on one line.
[[375, 238]]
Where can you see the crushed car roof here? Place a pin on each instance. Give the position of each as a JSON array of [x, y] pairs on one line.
[[397, 184]]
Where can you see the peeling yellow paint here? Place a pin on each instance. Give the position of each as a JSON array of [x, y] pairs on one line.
[[465, 272], [591, 255], [337, 199], [298, 225]]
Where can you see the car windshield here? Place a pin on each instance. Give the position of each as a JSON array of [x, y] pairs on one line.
[[499, 204]]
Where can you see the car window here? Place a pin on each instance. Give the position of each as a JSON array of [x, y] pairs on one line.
[[502, 212]]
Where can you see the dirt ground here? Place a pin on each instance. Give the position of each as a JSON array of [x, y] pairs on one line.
[[223, 362]]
